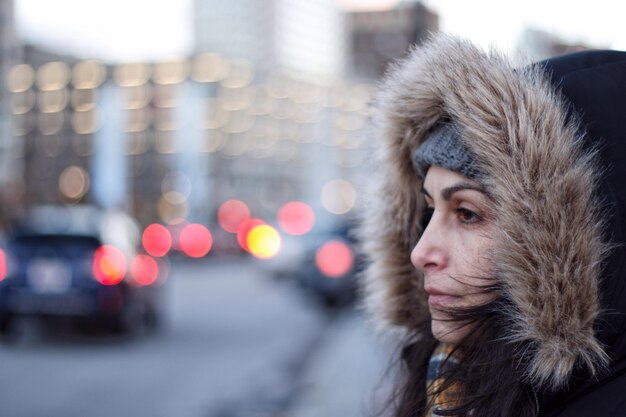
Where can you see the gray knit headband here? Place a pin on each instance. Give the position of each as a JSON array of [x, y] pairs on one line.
[[444, 147]]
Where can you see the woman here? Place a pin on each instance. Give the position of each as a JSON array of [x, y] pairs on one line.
[[496, 232]]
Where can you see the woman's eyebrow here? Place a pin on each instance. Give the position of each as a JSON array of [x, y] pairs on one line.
[[447, 193]]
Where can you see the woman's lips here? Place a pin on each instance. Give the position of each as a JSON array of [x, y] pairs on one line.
[[442, 300]]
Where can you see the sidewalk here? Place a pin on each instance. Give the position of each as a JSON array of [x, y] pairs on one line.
[[343, 379]]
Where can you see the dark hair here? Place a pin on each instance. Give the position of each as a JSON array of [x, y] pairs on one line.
[[488, 372]]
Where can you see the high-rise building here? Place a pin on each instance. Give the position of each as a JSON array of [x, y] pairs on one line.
[[45, 139], [378, 37], [303, 36], [298, 50], [9, 54], [538, 44]]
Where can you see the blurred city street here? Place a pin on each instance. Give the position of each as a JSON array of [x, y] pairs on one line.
[[234, 342], [210, 161]]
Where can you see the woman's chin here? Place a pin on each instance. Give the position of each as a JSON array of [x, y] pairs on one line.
[[447, 331]]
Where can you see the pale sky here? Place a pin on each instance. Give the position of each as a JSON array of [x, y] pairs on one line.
[[120, 30]]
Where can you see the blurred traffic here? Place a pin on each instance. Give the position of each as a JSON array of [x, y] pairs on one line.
[[79, 264], [177, 230]]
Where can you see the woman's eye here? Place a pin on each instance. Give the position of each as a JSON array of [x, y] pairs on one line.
[[467, 216], [426, 216]]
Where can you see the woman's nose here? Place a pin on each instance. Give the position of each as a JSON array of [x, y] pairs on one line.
[[430, 251]]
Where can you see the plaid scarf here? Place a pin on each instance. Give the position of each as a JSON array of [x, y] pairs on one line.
[[440, 359]]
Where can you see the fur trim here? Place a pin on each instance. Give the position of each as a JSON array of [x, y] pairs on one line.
[[548, 240]]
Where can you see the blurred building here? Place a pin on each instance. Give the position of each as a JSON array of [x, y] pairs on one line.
[[45, 141], [539, 44], [381, 36], [171, 141], [283, 147], [310, 133], [303, 36], [9, 55]]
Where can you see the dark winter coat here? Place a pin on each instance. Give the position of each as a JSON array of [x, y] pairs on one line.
[[552, 138]]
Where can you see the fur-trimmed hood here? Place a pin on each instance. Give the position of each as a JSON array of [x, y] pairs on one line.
[[549, 139]]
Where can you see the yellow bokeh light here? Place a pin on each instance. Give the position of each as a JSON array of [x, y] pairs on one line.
[[50, 123], [22, 102], [263, 241], [169, 212], [85, 99], [171, 72], [137, 120], [208, 68], [52, 101], [166, 95], [53, 76], [88, 74], [137, 97], [175, 197], [132, 74], [240, 74], [74, 182], [86, 122], [20, 78], [338, 196], [237, 98]]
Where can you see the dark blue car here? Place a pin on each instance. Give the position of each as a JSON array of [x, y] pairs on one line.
[[78, 264]]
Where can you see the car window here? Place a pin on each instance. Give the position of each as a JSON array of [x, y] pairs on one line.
[[66, 244]]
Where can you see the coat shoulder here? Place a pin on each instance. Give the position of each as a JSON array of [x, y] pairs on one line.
[[604, 399]]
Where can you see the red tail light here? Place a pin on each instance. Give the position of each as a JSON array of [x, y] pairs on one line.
[[109, 265], [144, 270], [157, 240], [334, 259]]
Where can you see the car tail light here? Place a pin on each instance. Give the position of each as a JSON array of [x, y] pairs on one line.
[[195, 240], [334, 259], [144, 270], [109, 265]]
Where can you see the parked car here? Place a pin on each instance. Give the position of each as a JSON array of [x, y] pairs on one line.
[[80, 264], [324, 263]]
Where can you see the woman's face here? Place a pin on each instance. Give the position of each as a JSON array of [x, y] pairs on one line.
[[452, 252]]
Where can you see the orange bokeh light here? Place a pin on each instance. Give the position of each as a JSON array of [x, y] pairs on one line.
[[109, 265], [263, 241], [334, 259], [144, 270], [296, 218], [157, 240], [243, 230], [231, 214], [195, 240]]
